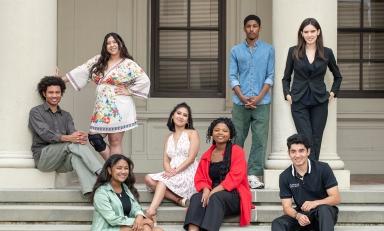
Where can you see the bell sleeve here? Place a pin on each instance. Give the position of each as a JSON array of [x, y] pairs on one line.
[[140, 84], [79, 76]]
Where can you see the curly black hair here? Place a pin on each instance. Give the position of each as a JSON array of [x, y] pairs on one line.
[[101, 64], [50, 81], [189, 125], [224, 168], [104, 176], [224, 120]]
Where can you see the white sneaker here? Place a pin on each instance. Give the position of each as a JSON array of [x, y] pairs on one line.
[[254, 182]]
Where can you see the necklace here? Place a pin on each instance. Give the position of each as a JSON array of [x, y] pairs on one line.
[[118, 188], [120, 194]]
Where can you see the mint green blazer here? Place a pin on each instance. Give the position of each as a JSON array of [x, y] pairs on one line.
[[108, 214]]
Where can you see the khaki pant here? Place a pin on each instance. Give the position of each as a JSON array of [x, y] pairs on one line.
[[65, 157]]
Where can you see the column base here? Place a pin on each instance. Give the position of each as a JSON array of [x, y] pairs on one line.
[[271, 178], [332, 159], [26, 178], [16, 159], [277, 163]]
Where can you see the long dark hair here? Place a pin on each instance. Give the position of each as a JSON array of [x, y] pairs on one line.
[[100, 66], [224, 169], [104, 176], [189, 125], [299, 52]]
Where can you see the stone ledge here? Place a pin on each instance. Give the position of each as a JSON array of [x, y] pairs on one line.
[[349, 214], [373, 194], [167, 227], [19, 178]]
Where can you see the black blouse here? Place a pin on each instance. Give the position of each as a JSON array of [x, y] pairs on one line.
[[215, 174], [308, 98], [125, 201]]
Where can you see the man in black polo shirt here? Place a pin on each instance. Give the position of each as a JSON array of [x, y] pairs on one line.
[[312, 186]]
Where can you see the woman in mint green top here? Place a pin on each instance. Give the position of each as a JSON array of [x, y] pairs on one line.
[[115, 199]]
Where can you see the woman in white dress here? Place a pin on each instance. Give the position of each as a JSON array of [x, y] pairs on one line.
[[118, 78], [176, 181]]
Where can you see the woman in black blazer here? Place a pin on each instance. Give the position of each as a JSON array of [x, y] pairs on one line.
[[308, 96]]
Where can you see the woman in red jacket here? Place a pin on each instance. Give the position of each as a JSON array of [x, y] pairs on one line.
[[221, 182]]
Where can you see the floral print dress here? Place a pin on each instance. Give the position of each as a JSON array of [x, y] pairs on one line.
[[182, 184], [112, 113]]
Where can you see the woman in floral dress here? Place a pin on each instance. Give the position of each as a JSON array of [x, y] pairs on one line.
[[118, 78], [176, 181]]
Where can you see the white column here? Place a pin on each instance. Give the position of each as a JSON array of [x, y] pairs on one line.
[[28, 38], [287, 17]]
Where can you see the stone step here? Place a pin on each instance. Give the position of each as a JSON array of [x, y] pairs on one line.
[[372, 195], [352, 196], [349, 214], [45, 213], [166, 227], [66, 207], [43, 227], [268, 228], [354, 214], [41, 196]]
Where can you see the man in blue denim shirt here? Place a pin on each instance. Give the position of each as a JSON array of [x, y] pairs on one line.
[[251, 73]]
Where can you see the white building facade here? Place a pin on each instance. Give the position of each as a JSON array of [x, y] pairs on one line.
[[183, 45]]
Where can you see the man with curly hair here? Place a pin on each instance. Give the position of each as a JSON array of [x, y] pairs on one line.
[[56, 144]]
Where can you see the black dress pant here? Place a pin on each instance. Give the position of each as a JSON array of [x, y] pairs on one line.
[[211, 217], [310, 120], [323, 218]]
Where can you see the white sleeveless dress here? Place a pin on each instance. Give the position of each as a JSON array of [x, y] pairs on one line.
[[182, 183]]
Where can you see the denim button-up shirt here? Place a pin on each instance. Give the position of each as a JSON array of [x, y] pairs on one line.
[[250, 68], [109, 214]]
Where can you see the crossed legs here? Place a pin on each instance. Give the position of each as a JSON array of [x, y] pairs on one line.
[[160, 192]]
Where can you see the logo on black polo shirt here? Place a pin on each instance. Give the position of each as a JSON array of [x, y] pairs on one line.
[[296, 185]]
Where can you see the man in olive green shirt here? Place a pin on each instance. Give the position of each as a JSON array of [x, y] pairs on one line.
[[56, 145]]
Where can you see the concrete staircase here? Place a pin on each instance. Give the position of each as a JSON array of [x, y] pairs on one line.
[[362, 208]]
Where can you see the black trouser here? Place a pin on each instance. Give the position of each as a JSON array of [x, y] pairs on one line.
[[323, 218], [211, 217], [310, 121]]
